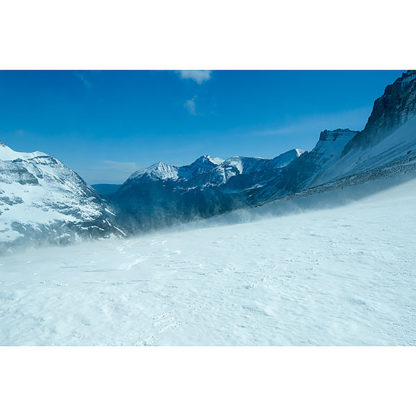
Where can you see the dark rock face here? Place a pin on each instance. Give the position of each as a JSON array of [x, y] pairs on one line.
[[390, 111], [328, 159]]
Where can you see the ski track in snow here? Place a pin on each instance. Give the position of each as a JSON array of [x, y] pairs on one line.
[[342, 276]]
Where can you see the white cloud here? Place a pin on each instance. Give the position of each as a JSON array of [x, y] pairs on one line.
[[190, 105], [198, 76]]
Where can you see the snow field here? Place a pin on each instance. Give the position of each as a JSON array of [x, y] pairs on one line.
[[341, 276]]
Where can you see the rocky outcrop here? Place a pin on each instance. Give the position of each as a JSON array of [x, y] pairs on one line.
[[394, 108]]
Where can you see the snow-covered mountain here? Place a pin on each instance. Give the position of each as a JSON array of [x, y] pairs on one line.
[[40, 196], [249, 171], [211, 186], [305, 170], [43, 200], [324, 255], [388, 139], [389, 134], [393, 109], [162, 194]]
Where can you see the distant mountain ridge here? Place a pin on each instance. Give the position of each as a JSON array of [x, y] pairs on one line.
[[165, 194], [164, 171], [243, 181]]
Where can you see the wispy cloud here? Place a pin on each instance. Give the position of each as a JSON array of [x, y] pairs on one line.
[[352, 119], [82, 77], [190, 105], [198, 76]]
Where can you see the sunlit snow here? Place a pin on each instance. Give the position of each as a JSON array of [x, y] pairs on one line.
[[340, 276]]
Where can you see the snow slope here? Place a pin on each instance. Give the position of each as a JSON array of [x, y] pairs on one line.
[[9, 154], [400, 142], [340, 276], [390, 132]]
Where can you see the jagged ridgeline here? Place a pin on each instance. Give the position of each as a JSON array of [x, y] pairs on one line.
[[163, 194], [43, 200]]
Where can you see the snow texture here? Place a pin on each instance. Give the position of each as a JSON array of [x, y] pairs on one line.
[[326, 257], [41, 199], [338, 276]]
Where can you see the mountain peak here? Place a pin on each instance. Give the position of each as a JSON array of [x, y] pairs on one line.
[[158, 165], [6, 153], [45, 200], [286, 158], [159, 170], [390, 111], [208, 159], [406, 77], [202, 165]]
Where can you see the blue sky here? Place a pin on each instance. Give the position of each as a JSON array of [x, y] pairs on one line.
[[107, 124]]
